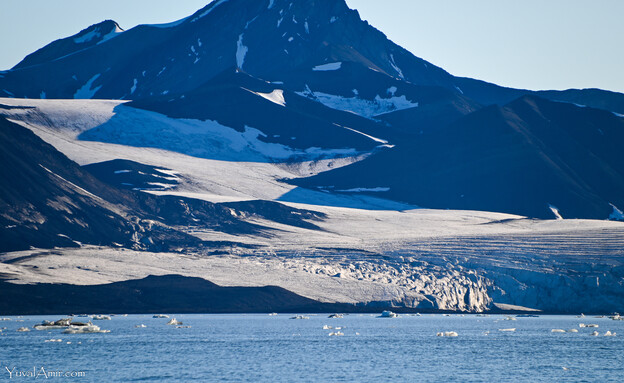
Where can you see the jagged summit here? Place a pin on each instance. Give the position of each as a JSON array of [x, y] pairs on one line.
[[267, 39]]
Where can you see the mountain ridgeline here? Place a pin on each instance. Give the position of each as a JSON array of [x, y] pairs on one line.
[[312, 74]]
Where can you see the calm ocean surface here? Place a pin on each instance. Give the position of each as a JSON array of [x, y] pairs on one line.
[[263, 348]]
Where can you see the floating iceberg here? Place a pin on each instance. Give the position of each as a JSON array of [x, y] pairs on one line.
[[557, 330], [336, 316], [300, 317], [86, 329], [447, 333], [158, 316], [174, 322], [23, 329], [100, 317], [48, 325], [388, 314], [507, 329]]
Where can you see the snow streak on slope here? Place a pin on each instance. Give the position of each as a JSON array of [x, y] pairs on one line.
[[241, 52]]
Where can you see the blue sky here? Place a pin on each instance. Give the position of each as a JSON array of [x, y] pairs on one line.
[[534, 44]]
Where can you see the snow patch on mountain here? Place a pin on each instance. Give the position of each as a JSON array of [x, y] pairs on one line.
[[362, 107], [114, 33], [276, 97], [328, 67], [555, 211], [396, 68], [87, 37], [241, 52], [617, 214], [86, 91]]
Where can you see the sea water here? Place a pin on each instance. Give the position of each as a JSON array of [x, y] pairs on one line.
[[263, 348]]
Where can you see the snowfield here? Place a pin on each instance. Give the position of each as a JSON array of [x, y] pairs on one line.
[[367, 249]]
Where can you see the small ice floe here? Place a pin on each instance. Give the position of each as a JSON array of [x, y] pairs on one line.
[[100, 317], [447, 333], [595, 333], [23, 329], [48, 325], [161, 316], [88, 328], [507, 329], [510, 318], [446, 315], [557, 330], [174, 322], [583, 325], [326, 327], [388, 314], [53, 340], [5, 319], [565, 368], [272, 314], [581, 316], [572, 330], [337, 333], [183, 326], [140, 326], [300, 317], [336, 316], [609, 333], [616, 317]]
